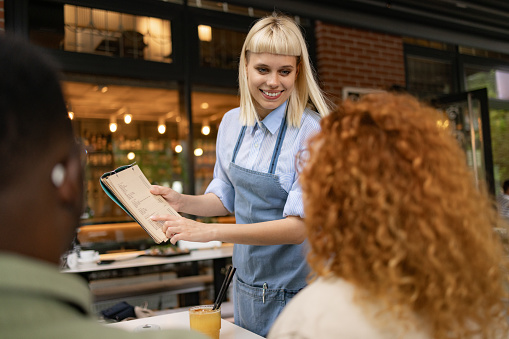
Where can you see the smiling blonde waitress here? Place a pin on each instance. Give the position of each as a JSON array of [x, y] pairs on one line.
[[255, 174]]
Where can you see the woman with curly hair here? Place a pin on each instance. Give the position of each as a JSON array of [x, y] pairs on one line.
[[401, 239]]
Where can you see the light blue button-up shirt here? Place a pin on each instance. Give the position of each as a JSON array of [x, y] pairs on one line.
[[256, 151]]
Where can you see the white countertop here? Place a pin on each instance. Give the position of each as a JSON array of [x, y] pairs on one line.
[[181, 320], [137, 261]]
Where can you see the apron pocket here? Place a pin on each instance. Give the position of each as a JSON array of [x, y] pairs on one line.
[[257, 308]]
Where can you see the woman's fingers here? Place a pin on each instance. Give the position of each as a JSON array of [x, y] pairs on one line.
[[164, 217], [180, 228], [172, 226], [158, 190]]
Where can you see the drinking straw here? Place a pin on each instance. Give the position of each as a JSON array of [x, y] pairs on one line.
[[222, 292], [227, 274]]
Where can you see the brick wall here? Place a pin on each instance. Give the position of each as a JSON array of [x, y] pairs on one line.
[[357, 58], [2, 16]]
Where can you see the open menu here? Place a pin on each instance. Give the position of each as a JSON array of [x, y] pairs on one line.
[[128, 187]]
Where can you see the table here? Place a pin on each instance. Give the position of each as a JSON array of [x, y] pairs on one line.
[[181, 320], [218, 256], [139, 261]]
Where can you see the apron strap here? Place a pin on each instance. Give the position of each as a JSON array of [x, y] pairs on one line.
[[239, 141], [277, 148]]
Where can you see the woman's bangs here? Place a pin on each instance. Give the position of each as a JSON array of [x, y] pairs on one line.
[[268, 41]]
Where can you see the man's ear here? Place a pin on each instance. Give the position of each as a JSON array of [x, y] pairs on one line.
[[70, 189]]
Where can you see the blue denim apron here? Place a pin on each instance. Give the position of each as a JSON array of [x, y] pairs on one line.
[[267, 277]]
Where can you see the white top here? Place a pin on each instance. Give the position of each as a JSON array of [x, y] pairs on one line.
[[325, 309], [503, 205], [255, 153]]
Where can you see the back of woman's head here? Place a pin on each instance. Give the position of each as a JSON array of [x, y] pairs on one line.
[[391, 206], [280, 35]]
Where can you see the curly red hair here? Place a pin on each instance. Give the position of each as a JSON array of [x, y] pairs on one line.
[[391, 206]]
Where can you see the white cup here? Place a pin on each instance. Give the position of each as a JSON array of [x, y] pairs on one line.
[[88, 255], [72, 260]]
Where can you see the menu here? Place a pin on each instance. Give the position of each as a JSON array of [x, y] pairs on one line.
[[130, 189]]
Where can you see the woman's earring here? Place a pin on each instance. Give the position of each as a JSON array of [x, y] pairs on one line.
[[58, 175]]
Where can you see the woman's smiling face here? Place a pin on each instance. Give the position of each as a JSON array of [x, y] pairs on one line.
[[271, 80]]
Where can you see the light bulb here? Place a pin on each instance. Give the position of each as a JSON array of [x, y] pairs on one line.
[[131, 155], [198, 152], [205, 130], [70, 111], [161, 126], [113, 124], [128, 118], [178, 148]]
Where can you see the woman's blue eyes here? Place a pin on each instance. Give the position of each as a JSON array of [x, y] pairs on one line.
[[265, 70]]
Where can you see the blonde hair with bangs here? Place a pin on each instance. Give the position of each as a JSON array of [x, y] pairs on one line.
[[278, 34]]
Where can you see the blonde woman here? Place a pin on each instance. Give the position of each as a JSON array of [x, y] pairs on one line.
[[401, 240], [255, 176]]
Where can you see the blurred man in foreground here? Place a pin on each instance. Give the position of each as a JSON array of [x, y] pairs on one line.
[[41, 199]]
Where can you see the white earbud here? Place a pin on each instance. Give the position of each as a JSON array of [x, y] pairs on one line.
[[58, 175]]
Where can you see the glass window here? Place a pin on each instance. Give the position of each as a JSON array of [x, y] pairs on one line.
[[220, 48], [149, 129], [122, 124], [499, 125], [90, 30], [208, 110], [97, 31], [428, 77], [496, 81]]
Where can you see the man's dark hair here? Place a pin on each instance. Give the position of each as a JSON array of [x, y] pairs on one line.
[[505, 185], [33, 113]]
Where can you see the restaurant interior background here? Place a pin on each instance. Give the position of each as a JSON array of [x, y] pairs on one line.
[[148, 81]]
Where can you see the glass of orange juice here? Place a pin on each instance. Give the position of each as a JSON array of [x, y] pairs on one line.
[[205, 320]]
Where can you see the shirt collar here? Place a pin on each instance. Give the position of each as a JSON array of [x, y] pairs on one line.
[[273, 120]]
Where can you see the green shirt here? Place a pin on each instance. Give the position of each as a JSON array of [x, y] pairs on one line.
[[37, 301]]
